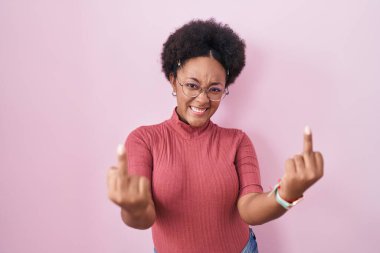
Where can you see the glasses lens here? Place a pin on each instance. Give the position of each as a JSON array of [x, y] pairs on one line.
[[193, 90], [215, 93]]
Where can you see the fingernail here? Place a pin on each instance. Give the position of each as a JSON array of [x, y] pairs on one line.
[[307, 130], [120, 149]]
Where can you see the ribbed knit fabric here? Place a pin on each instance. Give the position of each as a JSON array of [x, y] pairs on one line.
[[197, 176]]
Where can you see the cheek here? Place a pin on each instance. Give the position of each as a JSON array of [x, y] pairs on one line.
[[183, 101], [215, 105]]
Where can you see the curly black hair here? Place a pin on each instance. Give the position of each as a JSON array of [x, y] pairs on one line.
[[202, 38]]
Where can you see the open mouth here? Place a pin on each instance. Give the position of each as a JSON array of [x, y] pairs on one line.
[[197, 110]]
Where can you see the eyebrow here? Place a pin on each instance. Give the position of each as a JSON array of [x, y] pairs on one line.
[[213, 83]]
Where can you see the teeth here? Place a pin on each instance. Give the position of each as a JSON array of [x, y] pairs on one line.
[[195, 109]]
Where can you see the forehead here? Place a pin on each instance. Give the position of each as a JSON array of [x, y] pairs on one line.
[[204, 68]]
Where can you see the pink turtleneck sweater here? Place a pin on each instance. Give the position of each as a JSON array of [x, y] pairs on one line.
[[197, 176]]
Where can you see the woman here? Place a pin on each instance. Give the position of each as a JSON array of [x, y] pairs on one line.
[[195, 183]]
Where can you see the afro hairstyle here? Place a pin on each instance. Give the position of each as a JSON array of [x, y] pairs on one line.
[[202, 38]]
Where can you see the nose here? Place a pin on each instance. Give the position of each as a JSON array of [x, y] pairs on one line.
[[203, 97]]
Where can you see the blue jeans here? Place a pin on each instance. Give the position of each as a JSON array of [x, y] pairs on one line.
[[250, 247]]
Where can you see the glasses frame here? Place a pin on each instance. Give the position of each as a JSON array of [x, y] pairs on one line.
[[206, 91]]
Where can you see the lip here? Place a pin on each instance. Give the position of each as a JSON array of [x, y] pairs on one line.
[[199, 107], [199, 113]]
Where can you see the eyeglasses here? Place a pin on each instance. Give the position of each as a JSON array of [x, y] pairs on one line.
[[193, 90]]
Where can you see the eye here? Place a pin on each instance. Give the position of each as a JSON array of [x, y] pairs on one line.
[[215, 90], [192, 86]]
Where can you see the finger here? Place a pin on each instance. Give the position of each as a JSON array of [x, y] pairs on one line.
[[319, 161], [111, 178], [300, 163], [309, 162], [144, 185], [122, 160], [290, 168], [308, 141], [133, 185]]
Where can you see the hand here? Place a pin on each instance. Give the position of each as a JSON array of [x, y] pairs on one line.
[[302, 171], [130, 192]]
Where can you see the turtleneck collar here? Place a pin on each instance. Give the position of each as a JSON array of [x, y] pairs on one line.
[[185, 130]]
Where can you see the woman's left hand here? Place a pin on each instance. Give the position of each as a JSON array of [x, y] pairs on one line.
[[301, 171]]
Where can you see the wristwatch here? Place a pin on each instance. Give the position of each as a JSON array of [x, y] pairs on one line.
[[285, 204]]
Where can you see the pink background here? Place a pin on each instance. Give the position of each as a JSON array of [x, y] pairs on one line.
[[77, 76]]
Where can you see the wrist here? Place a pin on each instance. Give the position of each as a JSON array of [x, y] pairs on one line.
[[287, 196], [284, 203]]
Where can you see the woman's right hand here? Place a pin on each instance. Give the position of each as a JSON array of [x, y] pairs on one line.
[[131, 192]]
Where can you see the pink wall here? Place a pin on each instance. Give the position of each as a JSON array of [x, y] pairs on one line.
[[77, 76]]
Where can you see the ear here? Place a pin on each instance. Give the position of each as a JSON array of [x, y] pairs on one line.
[[172, 80]]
